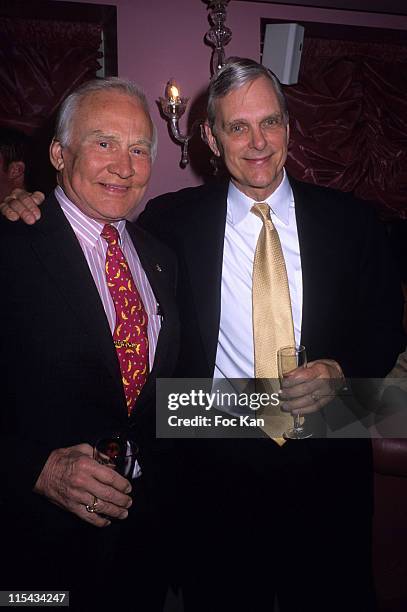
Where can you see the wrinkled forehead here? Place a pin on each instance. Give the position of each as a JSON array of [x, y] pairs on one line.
[[255, 96], [112, 109]]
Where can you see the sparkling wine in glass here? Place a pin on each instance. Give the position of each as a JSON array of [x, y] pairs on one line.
[[290, 358]]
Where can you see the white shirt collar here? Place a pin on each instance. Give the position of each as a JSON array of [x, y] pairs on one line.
[[280, 200]]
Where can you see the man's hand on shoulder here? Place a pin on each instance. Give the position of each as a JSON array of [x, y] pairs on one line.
[[72, 479], [23, 205]]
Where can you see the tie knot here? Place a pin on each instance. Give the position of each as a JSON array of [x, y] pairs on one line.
[[110, 234], [262, 210]]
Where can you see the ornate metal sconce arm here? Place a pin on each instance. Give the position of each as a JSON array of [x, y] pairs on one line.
[[219, 35]]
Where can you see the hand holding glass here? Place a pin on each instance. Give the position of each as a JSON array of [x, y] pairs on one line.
[[118, 453], [290, 358]]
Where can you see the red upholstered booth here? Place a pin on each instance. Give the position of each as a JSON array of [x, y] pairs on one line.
[[390, 523]]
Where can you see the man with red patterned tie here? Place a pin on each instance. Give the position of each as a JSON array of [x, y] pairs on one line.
[[89, 322]]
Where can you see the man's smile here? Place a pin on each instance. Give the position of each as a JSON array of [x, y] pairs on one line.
[[112, 188]]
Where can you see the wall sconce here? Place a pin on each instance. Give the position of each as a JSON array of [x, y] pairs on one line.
[[173, 105]]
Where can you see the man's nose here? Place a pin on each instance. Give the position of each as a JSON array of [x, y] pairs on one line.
[[122, 165], [257, 139]]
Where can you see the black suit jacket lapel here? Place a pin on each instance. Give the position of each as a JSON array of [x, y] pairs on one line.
[[204, 240], [318, 237], [56, 245], [157, 274]]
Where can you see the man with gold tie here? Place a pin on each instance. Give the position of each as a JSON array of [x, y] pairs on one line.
[[265, 261]]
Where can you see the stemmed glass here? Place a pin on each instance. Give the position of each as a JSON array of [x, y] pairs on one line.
[[290, 358]]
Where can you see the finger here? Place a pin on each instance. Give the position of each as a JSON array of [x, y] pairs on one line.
[[298, 376], [308, 397], [308, 404], [30, 204], [300, 405], [16, 209], [109, 501], [79, 508], [93, 518], [25, 204], [110, 495], [9, 212], [94, 505], [38, 197], [303, 388], [84, 448], [105, 509], [107, 476], [30, 200], [85, 477], [111, 511]]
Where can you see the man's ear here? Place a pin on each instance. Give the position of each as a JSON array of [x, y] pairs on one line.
[[16, 170], [55, 155], [211, 140]]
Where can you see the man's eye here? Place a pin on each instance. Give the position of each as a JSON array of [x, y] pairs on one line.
[[137, 151], [104, 144], [273, 121], [236, 129]]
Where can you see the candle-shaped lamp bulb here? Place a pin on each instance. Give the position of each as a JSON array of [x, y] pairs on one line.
[[172, 92]]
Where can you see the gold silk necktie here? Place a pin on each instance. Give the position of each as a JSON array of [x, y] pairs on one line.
[[272, 317]]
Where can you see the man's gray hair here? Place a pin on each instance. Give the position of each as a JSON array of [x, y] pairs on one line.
[[239, 71], [68, 108]]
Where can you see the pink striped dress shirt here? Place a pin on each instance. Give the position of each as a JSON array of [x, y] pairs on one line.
[[94, 248]]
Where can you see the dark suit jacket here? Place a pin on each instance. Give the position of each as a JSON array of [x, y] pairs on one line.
[[305, 506], [61, 382], [351, 295]]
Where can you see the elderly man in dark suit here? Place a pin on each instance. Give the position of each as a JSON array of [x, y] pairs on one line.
[[89, 323], [262, 519]]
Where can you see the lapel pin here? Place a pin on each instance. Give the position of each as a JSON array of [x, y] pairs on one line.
[[158, 268]]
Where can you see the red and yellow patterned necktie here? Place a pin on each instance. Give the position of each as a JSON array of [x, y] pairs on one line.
[[130, 332]]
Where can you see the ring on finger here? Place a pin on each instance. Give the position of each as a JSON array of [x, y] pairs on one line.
[[92, 507]]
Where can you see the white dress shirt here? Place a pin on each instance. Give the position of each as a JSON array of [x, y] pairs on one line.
[[235, 350]]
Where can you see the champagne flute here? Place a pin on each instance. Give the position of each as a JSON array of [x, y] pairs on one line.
[[290, 358]]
